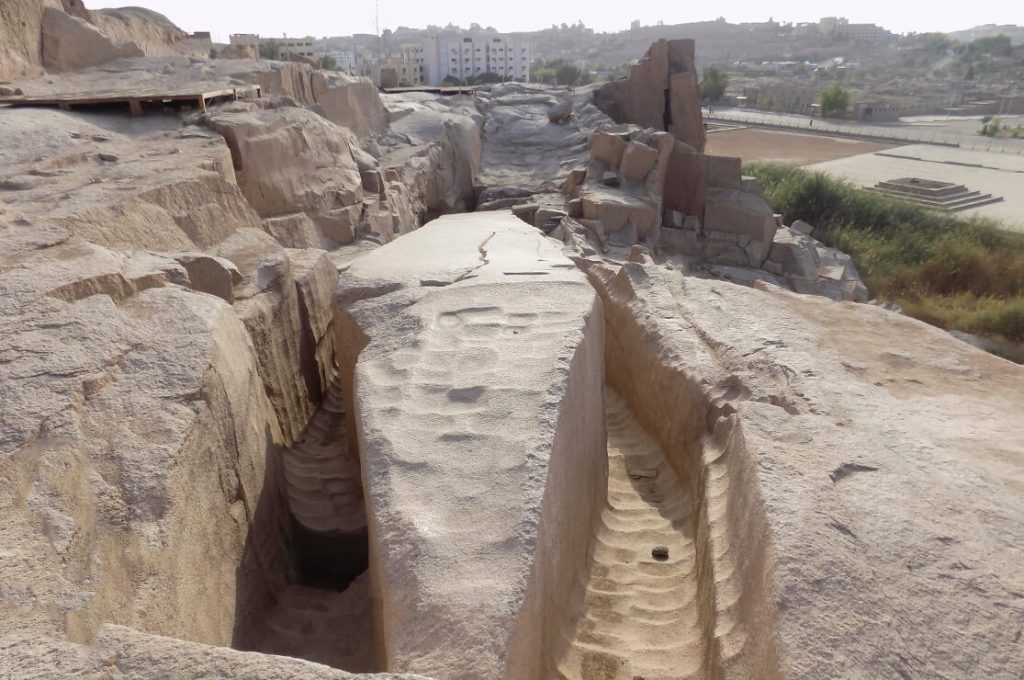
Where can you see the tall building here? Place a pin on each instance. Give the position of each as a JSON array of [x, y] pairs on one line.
[[302, 47], [468, 56]]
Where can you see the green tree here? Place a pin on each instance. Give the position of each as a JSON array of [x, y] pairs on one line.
[[713, 84], [269, 49], [834, 101], [484, 78], [328, 63], [567, 73], [452, 81]]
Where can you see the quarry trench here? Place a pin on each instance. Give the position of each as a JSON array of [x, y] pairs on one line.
[[678, 477]]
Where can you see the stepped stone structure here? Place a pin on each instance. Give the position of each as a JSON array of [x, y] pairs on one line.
[[334, 384]]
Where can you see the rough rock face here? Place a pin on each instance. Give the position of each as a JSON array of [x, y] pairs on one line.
[[142, 413], [20, 36], [350, 102], [811, 267], [522, 147], [625, 184], [122, 653], [433, 148], [660, 92], [152, 32], [172, 190], [478, 402], [70, 43], [292, 160], [838, 454]]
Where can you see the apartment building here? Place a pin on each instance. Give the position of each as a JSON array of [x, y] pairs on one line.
[[840, 28], [301, 47], [468, 56]]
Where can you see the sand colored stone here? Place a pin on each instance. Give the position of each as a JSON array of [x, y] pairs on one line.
[[480, 424]]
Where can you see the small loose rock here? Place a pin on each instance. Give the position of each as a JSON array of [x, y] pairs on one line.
[[660, 552]]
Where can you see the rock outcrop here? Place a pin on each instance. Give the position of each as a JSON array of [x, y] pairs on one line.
[[246, 402], [71, 43], [162, 190], [291, 160], [836, 453], [21, 24], [480, 427], [63, 36], [350, 102], [660, 92], [150, 31]]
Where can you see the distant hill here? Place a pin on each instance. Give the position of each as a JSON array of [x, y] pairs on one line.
[[1016, 33]]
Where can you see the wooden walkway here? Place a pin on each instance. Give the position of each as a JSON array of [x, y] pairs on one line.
[[135, 100]]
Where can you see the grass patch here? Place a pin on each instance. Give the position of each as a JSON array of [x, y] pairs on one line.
[[958, 273]]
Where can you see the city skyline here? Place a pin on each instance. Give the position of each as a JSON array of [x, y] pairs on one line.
[[322, 19]]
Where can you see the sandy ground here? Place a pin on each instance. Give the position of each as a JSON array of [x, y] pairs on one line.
[[990, 173], [754, 144]]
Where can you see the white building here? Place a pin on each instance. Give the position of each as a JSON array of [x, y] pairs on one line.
[[345, 59], [466, 56]]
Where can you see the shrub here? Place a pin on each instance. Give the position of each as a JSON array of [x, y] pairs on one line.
[[963, 273]]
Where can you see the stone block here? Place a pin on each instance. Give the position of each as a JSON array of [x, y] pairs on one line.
[[732, 210], [637, 160], [340, 224], [209, 274], [685, 187], [575, 207], [525, 212], [616, 208], [573, 182], [723, 172], [293, 231], [373, 181], [608, 148], [547, 216], [802, 227]]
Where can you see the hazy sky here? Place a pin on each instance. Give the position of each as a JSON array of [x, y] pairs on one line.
[[343, 17]]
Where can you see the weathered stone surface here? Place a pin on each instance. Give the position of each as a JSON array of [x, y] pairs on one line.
[[72, 43], [723, 172], [560, 112], [141, 655], [291, 160], [293, 231], [685, 181], [812, 268], [208, 274], [131, 427], [150, 31], [637, 160], [171, 191], [784, 413], [481, 436], [267, 303], [617, 208], [350, 102], [608, 148], [745, 216], [20, 37], [667, 70]]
